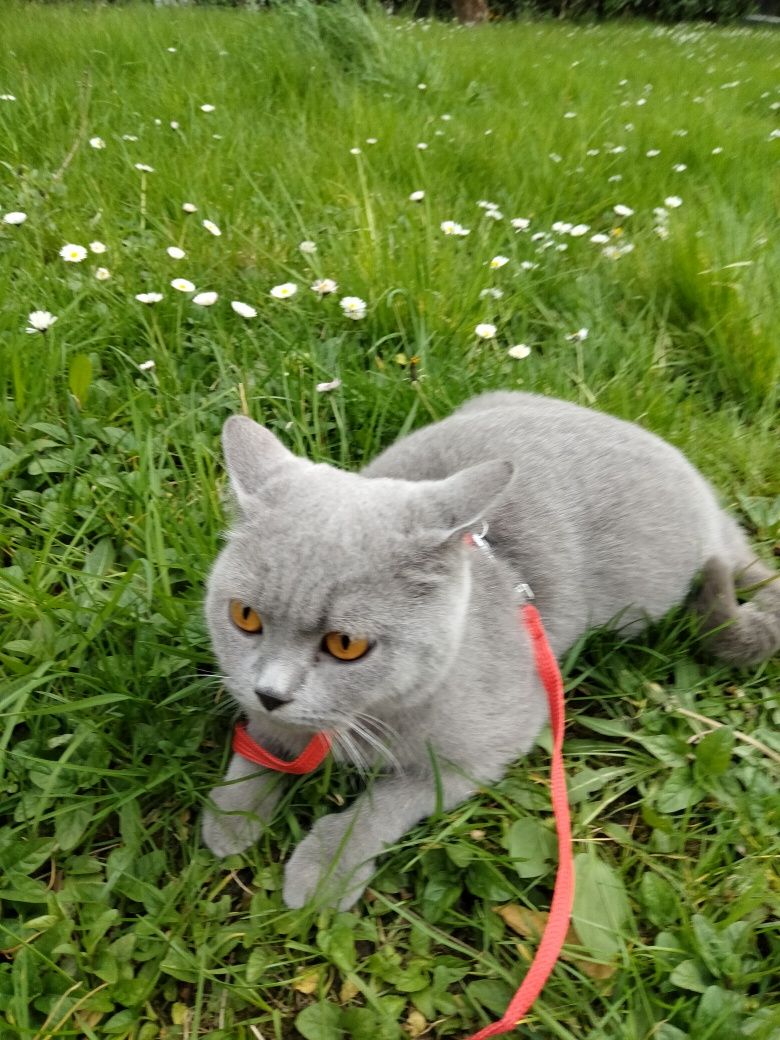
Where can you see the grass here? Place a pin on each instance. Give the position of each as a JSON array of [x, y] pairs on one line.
[[115, 921]]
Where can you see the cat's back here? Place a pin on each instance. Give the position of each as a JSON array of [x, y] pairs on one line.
[[539, 434]]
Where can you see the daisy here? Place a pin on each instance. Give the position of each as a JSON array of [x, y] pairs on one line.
[[450, 227], [97, 142], [15, 218], [205, 299], [207, 108], [519, 351], [599, 239], [579, 230], [243, 309], [129, 137], [73, 254], [579, 336], [417, 196], [323, 388], [679, 167], [145, 366], [421, 145], [189, 207], [353, 307], [354, 151], [520, 223], [498, 261], [673, 201], [175, 253], [308, 247], [485, 331], [97, 247], [210, 226], [491, 294], [182, 285], [144, 167], [623, 211], [40, 321], [324, 286], [372, 140], [102, 274], [284, 291], [149, 297]]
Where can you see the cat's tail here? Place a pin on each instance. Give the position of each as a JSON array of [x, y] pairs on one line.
[[742, 633]]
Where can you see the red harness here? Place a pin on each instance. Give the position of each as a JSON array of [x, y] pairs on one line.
[[563, 893]]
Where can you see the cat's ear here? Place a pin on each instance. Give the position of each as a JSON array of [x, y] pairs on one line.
[[456, 504], [252, 453]]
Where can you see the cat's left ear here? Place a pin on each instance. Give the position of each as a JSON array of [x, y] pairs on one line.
[[455, 505], [252, 454]]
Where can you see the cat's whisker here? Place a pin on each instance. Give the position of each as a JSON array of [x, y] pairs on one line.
[[351, 750], [376, 743]]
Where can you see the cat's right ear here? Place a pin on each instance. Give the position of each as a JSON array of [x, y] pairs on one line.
[[252, 453]]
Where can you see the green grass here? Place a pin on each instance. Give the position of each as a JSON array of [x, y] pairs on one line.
[[115, 921]]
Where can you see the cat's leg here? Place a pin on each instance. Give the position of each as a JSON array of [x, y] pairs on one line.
[[335, 861], [242, 805]]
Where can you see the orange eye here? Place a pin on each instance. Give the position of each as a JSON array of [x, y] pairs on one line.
[[245, 618], [344, 647]]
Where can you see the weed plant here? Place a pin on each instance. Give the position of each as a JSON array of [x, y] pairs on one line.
[[663, 144]]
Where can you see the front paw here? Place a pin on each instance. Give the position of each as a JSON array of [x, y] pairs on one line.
[[329, 868], [227, 833]]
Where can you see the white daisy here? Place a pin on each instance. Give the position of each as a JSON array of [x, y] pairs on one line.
[[145, 366], [520, 223], [579, 230], [205, 299], [144, 167], [579, 336], [175, 253], [519, 351], [189, 207], [417, 196], [679, 167], [15, 217], [307, 247], [498, 261], [73, 254], [211, 227], [324, 286], [243, 309], [353, 307], [40, 321], [284, 291], [207, 108], [182, 285], [149, 297], [623, 211], [485, 331], [102, 274], [673, 201], [97, 142], [599, 239], [324, 388], [97, 247]]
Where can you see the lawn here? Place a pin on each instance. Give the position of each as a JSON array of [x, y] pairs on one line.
[[619, 185]]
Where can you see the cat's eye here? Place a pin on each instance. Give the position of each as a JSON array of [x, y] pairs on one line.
[[245, 618], [344, 647]]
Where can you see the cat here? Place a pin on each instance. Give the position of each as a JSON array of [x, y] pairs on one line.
[[352, 603]]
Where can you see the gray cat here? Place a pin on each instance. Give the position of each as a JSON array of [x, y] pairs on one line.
[[350, 603]]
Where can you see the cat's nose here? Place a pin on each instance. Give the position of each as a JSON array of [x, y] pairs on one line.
[[270, 700]]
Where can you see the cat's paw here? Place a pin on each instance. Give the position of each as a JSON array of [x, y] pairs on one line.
[[328, 868], [225, 834]]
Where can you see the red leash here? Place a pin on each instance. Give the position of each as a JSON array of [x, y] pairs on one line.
[[563, 892]]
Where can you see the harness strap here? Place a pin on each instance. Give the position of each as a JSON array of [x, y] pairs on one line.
[[312, 755], [563, 892]]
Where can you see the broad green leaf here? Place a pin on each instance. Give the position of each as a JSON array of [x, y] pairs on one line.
[[716, 1013], [601, 913], [491, 994], [71, 824], [713, 753], [689, 975], [532, 848], [320, 1022], [678, 792], [659, 899], [80, 377]]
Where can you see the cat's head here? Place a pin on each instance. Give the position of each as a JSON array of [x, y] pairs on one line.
[[339, 595]]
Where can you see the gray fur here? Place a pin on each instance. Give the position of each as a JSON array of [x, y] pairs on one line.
[[607, 523]]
